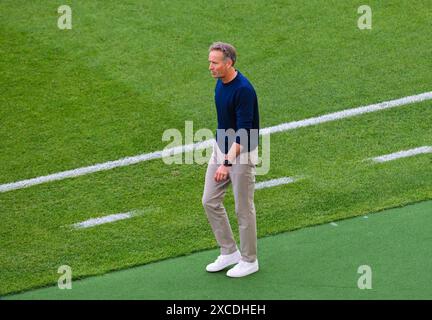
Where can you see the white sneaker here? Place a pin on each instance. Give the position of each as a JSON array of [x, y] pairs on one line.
[[223, 261], [243, 268]]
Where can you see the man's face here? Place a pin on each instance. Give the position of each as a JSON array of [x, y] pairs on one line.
[[218, 66]]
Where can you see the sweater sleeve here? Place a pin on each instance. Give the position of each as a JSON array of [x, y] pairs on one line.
[[244, 112]]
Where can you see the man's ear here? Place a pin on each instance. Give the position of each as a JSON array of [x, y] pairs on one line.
[[229, 62], [226, 61]]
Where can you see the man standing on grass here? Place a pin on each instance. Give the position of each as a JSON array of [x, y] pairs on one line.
[[237, 136]]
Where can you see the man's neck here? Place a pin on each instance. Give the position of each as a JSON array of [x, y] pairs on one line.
[[229, 77]]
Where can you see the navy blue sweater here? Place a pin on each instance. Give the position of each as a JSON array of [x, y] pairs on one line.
[[237, 108]]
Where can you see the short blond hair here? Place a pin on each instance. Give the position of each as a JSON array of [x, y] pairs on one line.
[[227, 49]]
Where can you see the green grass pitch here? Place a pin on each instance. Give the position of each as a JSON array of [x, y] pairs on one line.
[[127, 71]]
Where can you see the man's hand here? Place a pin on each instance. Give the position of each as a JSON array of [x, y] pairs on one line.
[[222, 173]]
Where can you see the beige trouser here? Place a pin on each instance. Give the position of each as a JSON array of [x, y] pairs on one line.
[[242, 177]]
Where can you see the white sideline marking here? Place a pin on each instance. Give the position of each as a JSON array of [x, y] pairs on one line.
[[103, 166], [203, 145], [121, 216], [107, 219], [274, 182], [402, 154], [348, 113]]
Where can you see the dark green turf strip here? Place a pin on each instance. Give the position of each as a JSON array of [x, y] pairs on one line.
[[313, 263]]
